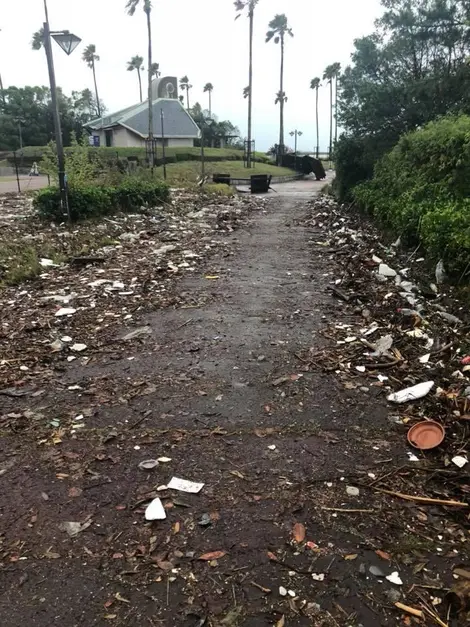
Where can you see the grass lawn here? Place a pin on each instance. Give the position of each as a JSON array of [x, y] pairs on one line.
[[191, 170]]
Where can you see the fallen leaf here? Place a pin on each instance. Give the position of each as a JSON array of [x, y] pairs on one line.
[[353, 556], [281, 622], [214, 555], [383, 555], [176, 528], [298, 532], [108, 603], [110, 616], [272, 557], [237, 473]]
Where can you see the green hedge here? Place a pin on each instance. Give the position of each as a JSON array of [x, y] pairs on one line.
[[94, 201], [421, 190]]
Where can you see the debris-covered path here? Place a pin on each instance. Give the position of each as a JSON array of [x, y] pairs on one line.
[[226, 392]]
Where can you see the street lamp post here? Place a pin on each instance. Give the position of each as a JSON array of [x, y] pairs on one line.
[[68, 42], [296, 133], [162, 118]]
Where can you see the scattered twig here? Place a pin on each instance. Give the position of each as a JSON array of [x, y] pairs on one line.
[[348, 511], [409, 610], [184, 324], [421, 499]]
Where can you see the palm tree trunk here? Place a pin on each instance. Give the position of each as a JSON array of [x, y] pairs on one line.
[[281, 120], [1, 90], [210, 104], [140, 83], [250, 84], [187, 97], [318, 129], [336, 109], [149, 29], [331, 117], [96, 91]]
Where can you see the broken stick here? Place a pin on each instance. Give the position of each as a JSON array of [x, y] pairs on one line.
[[421, 499]]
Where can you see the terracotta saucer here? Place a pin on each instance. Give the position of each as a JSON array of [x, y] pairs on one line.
[[426, 435]]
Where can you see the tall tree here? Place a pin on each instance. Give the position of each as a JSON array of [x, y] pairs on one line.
[[37, 42], [337, 72], [186, 86], [209, 88], [331, 75], [136, 64], [240, 6], [316, 84], [156, 70], [90, 57], [131, 7], [278, 30]]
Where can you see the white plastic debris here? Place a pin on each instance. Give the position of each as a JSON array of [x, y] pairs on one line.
[[282, 591], [412, 457], [425, 358], [164, 460], [412, 393], [185, 486], [46, 263], [65, 311], [155, 510], [376, 259], [78, 347], [291, 593], [385, 270], [383, 345], [460, 461], [352, 490], [394, 578], [361, 368], [449, 317], [272, 447], [318, 577]]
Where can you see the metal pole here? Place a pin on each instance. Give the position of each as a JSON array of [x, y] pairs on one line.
[[55, 111], [203, 165], [163, 144], [16, 169], [21, 135], [296, 144]]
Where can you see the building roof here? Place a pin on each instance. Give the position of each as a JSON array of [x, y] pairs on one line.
[[177, 121]]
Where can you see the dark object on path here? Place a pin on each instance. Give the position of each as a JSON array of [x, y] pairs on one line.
[[305, 164], [221, 178], [260, 183], [426, 435]]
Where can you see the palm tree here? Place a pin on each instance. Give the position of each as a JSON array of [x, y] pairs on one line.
[[241, 5], [278, 29], [131, 7], [90, 57], [136, 64], [186, 86], [37, 41], [315, 84], [331, 73], [208, 88], [155, 69], [337, 71]]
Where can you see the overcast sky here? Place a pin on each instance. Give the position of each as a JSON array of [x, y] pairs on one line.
[[201, 39]]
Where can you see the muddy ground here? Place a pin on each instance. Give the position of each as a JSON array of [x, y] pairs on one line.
[[220, 387]]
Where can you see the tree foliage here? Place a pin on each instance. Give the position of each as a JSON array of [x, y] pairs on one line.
[[31, 107], [410, 70]]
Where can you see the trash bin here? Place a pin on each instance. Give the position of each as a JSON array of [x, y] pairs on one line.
[[260, 183], [221, 178]]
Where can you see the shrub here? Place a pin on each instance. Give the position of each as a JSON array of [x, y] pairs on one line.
[[218, 189], [94, 201], [420, 189]]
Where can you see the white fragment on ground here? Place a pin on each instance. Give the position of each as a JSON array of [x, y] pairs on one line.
[[282, 591], [394, 578], [155, 510], [272, 447], [460, 461], [387, 271], [78, 347], [318, 577], [164, 460], [65, 311], [412, 393], [185, 486], [352, 490]]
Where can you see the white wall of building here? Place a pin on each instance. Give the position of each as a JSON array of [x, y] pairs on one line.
[[123, 138]]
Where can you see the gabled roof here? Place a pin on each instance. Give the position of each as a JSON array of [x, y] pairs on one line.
[[177, 121]]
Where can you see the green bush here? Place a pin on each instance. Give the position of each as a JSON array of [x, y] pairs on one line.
[[94, 201], [218, 189], [420, 190]]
